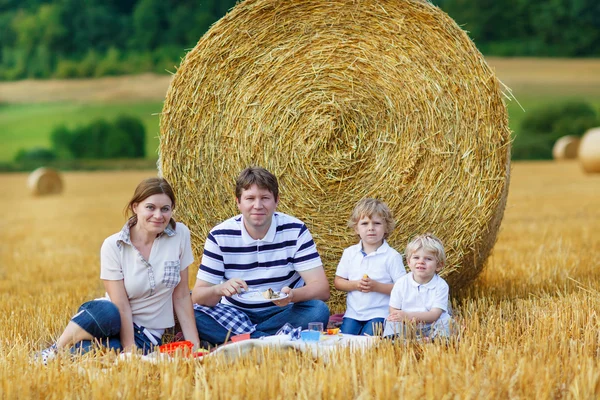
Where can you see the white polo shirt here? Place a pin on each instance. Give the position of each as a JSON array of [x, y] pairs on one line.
[[149, 283], [408, 295], [383, 265]]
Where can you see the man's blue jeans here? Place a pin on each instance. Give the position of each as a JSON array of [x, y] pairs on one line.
[[268, 322], [356, 327], [101, 319]]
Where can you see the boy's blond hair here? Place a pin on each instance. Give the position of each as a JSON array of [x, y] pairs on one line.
[[427, 242], [369, 207]]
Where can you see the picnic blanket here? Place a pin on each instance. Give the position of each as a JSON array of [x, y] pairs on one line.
[[322, 349], [318, 350]]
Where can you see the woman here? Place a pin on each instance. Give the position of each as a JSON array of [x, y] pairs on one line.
[[145, 274]]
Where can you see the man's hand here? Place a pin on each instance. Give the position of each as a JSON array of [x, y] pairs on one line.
[[231, 287], [287, 300]]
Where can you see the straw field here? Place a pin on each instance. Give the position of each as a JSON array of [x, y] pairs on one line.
[[529, 323]]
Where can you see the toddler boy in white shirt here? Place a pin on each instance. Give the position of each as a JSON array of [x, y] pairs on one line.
[[420, 298]]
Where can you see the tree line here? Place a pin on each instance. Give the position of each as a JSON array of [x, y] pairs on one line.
[[86, 38], [125, 137]]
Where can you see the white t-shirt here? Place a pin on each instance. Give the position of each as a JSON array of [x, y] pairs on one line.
[[408, 295], [149, 283], [383, 265]]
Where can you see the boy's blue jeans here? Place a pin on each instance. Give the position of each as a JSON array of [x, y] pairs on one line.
[[101, 319], [356, 327], [268, 322]]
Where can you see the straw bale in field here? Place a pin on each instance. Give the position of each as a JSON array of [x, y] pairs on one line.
[[589, 151], [566, 148], [342, 100], [44, 181]]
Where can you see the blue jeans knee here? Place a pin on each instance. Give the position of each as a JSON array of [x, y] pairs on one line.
[[100, 318]]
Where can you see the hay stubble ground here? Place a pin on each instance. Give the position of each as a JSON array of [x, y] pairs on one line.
[[530, 324]]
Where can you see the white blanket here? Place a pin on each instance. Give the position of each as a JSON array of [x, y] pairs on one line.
[[322, 349]]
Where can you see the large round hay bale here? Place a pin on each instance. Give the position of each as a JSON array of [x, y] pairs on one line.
[[566, 148], [44, 181], [343, 100], [589, 151]]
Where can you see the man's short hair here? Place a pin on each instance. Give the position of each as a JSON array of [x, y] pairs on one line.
[[256, 176], [369, 207]]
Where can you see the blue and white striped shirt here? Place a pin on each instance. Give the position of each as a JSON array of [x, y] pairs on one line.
[[272, 262]]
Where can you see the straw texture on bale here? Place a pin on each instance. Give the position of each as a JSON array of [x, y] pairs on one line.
[[342, 100], [566, 148], [44, 181], [589, 151]]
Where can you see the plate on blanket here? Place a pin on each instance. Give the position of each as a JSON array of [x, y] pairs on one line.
[[255, 296]]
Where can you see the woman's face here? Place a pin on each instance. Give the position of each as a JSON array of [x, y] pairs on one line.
[[154, 213]]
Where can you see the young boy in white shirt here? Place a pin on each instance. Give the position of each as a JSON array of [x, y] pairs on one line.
[[368, 269], [420, 299]]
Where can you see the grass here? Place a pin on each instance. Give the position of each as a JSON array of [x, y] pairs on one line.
[[528, 101], [30, 125], [530, 323]]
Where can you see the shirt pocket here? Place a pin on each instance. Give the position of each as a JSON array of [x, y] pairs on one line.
[[172, 276]]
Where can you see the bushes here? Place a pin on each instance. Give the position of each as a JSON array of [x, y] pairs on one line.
[[544, 126], [123, 138]]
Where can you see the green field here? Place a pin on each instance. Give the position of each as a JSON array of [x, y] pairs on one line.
[[23, 126]]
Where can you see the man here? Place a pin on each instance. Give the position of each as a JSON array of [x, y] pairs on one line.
[[258, 250]]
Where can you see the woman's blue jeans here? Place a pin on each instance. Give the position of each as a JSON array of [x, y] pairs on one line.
[[268, 322], [356, 327], [101, 319]]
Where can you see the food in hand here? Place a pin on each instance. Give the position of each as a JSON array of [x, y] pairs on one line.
[[365, 276], [269, 294]]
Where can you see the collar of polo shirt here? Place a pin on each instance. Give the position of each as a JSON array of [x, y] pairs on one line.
[[269, 237], [429, 285]]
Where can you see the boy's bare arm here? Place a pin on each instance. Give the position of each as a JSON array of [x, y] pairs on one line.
[[417, 316], [344, 284], [372, 285]]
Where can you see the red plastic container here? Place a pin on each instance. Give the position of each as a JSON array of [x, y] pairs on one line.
[[185, 346], [239, 338]]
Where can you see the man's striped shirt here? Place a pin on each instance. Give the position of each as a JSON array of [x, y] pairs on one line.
[[272, 262]]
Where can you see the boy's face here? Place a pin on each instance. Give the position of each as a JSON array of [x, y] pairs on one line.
[[424, 265], [257, 205], [371, 230]]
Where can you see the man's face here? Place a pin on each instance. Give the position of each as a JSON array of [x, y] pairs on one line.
[[257, 206]]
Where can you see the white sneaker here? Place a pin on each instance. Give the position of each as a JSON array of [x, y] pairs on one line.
[[46, 355]]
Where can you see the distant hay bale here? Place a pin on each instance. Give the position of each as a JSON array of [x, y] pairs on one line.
[[589, 151], [343, 100], [566, 148], [44, 181]]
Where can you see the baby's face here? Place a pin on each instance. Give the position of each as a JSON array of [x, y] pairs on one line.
[[423, 264]]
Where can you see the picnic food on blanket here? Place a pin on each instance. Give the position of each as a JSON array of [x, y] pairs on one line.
[[269, 294], [421, 124], [184, 346]]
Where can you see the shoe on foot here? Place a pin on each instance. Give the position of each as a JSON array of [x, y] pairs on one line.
[[46, 355]]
